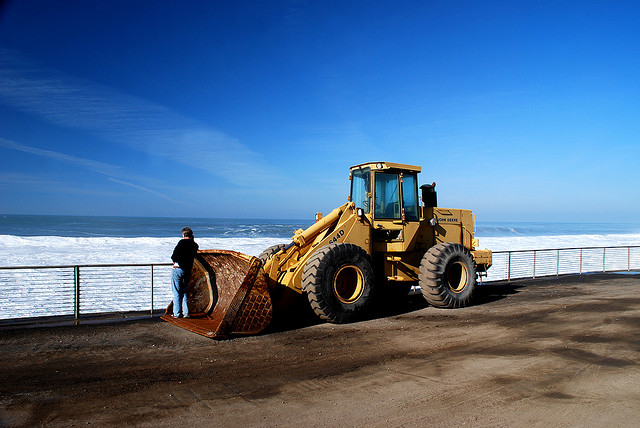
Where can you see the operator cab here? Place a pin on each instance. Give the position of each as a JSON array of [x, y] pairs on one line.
[[395, 191], [387, 194]]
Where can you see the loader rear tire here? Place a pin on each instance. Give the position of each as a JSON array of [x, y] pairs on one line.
[[338, 280], [270, 251], [448, 276]]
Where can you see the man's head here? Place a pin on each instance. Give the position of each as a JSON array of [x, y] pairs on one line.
[[187, 233]]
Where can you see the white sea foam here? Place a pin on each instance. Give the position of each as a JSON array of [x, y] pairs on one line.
[[55, 250], [513, 243], [35, 292], [38, 292]]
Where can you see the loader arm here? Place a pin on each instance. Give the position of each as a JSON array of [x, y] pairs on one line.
[[301, 237], [285, 267]]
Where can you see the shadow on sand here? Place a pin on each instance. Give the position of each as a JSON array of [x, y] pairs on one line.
[[297, 313]]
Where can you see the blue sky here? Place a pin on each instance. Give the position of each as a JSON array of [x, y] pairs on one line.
[[521, 111]]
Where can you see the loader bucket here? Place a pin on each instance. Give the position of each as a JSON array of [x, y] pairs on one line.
[[227, 295]]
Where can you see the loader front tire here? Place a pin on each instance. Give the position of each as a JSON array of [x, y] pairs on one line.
[[448, 276], [338, 281]]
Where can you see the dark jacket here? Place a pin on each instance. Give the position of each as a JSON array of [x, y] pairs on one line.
[[184, 253]]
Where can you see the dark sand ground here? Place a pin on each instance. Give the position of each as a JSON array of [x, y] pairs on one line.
[[561, 352]]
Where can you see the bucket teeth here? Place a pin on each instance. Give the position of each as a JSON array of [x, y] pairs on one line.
[[227, 295]]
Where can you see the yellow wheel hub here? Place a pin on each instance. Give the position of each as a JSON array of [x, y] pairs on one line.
[[348, 284], [458, 277]]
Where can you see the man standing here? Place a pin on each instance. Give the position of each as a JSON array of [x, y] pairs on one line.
[[182, 257]]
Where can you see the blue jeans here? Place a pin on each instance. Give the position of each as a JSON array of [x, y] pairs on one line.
[[179, 285]]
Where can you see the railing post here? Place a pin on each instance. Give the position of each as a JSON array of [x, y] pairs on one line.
[[558, 262], [580, 261], [604, 254], [509, 268], [628, 259], [76, 293], [151, 291], [534, 264]]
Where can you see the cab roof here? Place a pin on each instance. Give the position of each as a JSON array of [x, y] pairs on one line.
[[381, 166]]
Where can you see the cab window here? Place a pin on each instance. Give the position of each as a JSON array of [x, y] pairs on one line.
[[387, 199], [360, 188], [410, 197]]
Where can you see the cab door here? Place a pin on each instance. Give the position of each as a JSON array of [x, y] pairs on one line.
[[411, 213], [387, 211], [395, 209], [396, 224]]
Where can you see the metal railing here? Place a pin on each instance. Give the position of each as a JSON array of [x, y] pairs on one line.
[[83, 290], [73, 292], [508, 265]]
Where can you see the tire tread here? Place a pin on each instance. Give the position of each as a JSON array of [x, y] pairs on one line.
[[432, 276], [312, 281]]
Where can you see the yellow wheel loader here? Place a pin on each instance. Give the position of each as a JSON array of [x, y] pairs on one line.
[[382, 239]]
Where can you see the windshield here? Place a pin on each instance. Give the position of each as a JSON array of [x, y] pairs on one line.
[[387, 196], [360, 188]]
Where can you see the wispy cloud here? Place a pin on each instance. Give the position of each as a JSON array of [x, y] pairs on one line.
[[125, 120], [29, 182], [112, 172], [97, 166], [144, 189], [24, 180]]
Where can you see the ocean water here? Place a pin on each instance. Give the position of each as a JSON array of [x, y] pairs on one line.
[[69, 240]]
